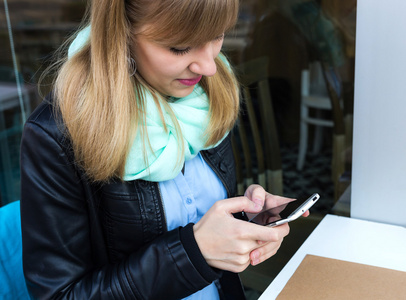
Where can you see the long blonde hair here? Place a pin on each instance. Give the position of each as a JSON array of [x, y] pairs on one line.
[[102, 104]]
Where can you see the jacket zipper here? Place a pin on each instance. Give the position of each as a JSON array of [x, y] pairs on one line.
[[162, 205]]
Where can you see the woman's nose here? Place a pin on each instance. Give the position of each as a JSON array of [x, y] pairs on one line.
[[203, 62]]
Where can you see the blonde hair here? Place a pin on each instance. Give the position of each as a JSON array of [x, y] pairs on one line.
[[102, 105]]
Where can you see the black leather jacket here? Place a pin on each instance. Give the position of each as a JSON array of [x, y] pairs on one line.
[[84, 240]]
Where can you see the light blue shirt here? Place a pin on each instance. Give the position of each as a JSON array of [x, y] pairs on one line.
[[187, 197]]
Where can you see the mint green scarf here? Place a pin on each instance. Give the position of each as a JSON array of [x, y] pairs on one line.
[[192, 114], [163, 159]]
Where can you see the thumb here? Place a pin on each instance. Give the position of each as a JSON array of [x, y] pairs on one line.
[[256, 193], [239, 204]]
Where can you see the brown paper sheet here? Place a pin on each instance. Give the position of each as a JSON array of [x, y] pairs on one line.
[[326, 278]]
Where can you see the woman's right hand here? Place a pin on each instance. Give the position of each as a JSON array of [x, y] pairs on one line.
[[231, 244]]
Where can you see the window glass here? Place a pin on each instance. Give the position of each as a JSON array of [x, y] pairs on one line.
[[29, 33], [308, 48], [295, 59]]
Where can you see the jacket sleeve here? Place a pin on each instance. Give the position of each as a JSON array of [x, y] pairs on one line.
[[58, 257]]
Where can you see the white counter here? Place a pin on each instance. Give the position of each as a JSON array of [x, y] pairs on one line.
[[348, 239]]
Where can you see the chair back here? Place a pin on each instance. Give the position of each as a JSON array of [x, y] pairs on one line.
[[259, 121], [313, 80], [334, 88], [12, 282]]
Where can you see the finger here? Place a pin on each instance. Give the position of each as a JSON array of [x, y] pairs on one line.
[[238, 204], [256, 193], [283, 229], [261, 254], [233, 266], [306, 213], [265, 234], [268, 249]]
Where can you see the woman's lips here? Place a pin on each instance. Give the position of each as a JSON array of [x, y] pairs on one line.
[[191, 81]]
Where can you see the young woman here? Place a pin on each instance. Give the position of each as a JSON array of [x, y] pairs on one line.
[[126, 163]]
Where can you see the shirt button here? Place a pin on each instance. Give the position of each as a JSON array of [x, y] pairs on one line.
[[189, 201]]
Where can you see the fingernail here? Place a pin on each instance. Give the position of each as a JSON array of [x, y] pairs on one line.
[[257, 202], [257, 206]]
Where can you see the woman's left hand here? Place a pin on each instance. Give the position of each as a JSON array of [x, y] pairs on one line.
[[259, 196]]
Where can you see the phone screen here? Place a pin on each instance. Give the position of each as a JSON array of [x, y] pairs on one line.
[[284, 211]]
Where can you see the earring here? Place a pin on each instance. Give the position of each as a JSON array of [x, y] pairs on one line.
[[132, 66]]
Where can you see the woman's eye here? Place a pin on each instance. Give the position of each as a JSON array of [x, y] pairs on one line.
[[219, 38], [186, 50], [180, 51]]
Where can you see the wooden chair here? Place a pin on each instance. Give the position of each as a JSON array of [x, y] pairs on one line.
[[342, 130], [257, 129], [314, 98], [322, 90]]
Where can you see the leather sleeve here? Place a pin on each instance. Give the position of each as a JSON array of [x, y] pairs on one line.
[[58, 257]]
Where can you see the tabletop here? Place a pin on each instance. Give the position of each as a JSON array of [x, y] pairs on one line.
[[348, 239]]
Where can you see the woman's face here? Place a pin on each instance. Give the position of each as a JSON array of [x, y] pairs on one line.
[[174, 71]]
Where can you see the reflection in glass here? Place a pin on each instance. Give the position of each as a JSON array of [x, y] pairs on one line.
[[309, 48], [295, 36], [292, 34], [29, 32]]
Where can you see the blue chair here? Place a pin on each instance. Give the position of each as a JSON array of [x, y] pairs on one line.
[[12, 283]]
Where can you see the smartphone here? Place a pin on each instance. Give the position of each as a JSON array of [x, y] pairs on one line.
[[285, 213]]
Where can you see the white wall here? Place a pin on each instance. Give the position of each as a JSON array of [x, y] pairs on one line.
[[379, 157]]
